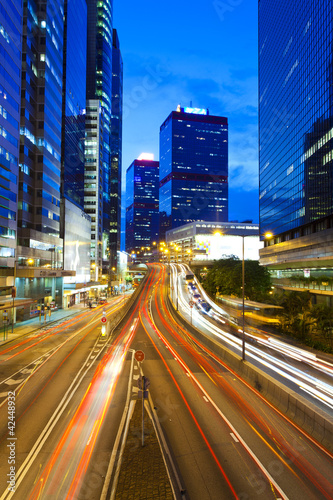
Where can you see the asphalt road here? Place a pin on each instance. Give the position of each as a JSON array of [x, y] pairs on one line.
[[69, 387]]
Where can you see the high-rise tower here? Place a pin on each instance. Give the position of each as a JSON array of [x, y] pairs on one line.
[[116, 149], [40, 246], [193, 168], [10, 98], [296, 135], [103, 45], [142, 216]]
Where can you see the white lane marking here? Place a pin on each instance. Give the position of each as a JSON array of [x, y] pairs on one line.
[[13, 382], [234, 437], [206, 399]]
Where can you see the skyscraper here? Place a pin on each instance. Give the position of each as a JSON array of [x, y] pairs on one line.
[[116, 149], [102, 46], [142, 216], [40, 246], [193, 168], [74, 100], [10, 98], [75, 224], [93, 185], [296, 135]]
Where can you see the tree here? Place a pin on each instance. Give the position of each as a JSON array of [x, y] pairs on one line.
[[226, 278], [296, 318], [322, 315]]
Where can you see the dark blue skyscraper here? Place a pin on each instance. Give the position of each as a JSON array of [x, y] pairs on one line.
[[193, 168], [296, 133], [10, 97], [116, 149], [142, 217], [40, 246], [74, 100]]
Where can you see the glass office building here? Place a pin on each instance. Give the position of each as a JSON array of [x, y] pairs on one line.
[[193, 168], [296, 133], [295, 101], [116, 149], [142, 215], [10, 97], [99, 86], [74, 100]]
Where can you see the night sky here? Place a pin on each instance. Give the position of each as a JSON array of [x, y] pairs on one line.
[[191, 51]]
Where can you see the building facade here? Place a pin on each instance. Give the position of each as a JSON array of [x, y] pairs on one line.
[[74, 101], [11, 14], [206, 242], [40, 246], [193, 168], [142, 214], [116, 149], [93, 183], [296, 140], [102, 45]]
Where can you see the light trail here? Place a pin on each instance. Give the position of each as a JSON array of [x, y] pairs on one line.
[[304, 465], [75, 447], [313, 386]]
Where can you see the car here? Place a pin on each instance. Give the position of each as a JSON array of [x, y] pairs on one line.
[[92, 304], [102, 301], [196, 297], [204, 307]]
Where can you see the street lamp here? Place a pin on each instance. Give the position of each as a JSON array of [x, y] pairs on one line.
[[14, 295], [177, 250]]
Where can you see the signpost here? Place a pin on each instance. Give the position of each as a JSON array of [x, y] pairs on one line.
[[143, 384], [5, 323], [103, 319]]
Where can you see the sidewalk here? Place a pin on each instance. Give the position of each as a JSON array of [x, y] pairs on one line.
[[33, 324]]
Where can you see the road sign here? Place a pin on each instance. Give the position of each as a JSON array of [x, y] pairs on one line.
[[139, 355], [103, 319], [191, 303]]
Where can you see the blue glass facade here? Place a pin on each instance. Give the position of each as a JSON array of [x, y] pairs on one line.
[[10, 97], [295, 117], [74, 100], [116, 149], [193, 169], [142, 214], [40, 141], [99, 86]]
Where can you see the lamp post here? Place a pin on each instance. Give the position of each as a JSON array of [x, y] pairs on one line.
[[243, 299], [14, 295], [177, 250]]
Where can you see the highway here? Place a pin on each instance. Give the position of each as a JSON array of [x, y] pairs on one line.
[[70, 385], [300, 369]]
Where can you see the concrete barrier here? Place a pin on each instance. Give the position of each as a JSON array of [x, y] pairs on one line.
[[306, 415]]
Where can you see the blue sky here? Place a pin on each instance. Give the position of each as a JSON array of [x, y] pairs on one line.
[[176, 52]]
